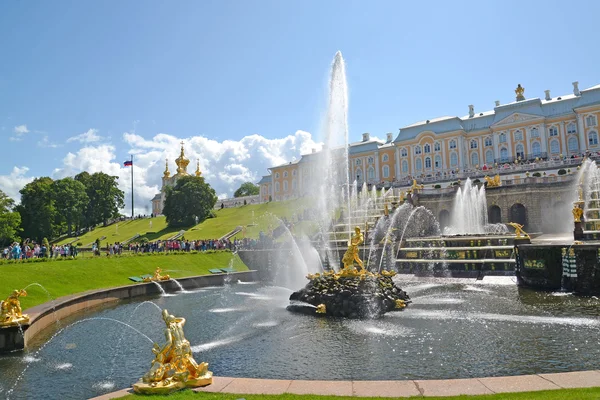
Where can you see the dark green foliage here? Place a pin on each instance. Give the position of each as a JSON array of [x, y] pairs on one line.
[[10, 220], [189, 202], [562, 172], [247, 189], [37, 209], [537, 174], [70, 200]]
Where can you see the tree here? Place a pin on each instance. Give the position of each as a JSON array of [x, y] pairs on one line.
[[37, 209], [10, 220], [70, 200], [105, 197], [247, 189], [189, 200]]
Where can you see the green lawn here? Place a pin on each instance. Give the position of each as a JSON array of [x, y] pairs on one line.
[[121, 231], [69, 276], [264, 216], [564, 394]]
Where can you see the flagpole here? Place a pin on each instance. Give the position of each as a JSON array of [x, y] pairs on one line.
[[132, 187]]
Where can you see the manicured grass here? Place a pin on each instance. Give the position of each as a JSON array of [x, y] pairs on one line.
[[264, 216], [121, 231], [563, 394], [69, 276]]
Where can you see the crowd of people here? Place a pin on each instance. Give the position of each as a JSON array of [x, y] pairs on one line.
[[183, 245], [27, 250]]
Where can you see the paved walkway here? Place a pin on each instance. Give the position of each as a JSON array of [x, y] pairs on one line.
[[424, 388]]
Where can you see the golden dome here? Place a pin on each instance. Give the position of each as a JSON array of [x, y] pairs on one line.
[[198, 172], [182, 162], [166, 173]]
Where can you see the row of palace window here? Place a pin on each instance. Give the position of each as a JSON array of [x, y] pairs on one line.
[[285, 174], [573, 146], [285, 186], [371, 160], [536, 151], [518, 135]]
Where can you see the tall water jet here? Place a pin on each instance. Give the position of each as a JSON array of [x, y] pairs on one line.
[[334, 157], [469, 213]]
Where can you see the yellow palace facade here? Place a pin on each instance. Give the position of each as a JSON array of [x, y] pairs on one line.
[[441, 148]]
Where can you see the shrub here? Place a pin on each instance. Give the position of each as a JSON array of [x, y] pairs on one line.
[[537, 174], [437, 187], [79, 244], [477, 181], [562, 172]]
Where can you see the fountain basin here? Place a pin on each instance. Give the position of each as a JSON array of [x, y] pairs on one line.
[[463, 327], [360, 297]]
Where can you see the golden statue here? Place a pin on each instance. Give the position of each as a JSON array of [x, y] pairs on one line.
[[157, 276], [414, 186], [182, 162], [520, 90], [577, 212], [321, 309], [519, 232], [351, 255], [166, 174], [493, 182], [386, 210], [198, 172], [10, 310], [400, 304], [174, 367]]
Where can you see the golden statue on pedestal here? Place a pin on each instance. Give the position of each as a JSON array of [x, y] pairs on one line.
[[493, 182], [10, 310], [519, 232], [174, 367], [577, 212], [157, 276], [351, 255], [519, 91]]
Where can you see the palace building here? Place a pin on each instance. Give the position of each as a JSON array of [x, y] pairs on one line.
[[439, 148], [158, 201]]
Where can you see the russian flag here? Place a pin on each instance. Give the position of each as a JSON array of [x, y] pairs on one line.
[[128, 164]]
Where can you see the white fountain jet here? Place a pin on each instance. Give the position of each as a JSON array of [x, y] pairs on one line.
[[469, 213]]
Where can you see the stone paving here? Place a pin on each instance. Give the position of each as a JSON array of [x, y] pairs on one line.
[[408, 388]]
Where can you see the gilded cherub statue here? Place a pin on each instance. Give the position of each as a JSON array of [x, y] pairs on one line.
[[10, 310], [157, 276], [577, 213], [519, 91], [493, 182], [351, 255], [173, 367], [519, 232]]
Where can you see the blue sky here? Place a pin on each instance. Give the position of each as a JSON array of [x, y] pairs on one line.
[[229, 69]]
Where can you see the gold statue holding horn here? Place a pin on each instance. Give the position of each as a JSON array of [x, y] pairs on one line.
[[351, 255], [174, 366], [11, 313]]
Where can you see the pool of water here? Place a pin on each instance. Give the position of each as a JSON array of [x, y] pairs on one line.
[[455, 328]]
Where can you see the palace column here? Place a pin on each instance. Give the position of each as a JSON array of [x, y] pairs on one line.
[[543, 138], [495, 138], [377, 165], [581, 132], [510, 143], [461, 148], [563, 139], [397, 163]]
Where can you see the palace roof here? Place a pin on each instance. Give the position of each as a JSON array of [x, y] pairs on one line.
[[555, 107]]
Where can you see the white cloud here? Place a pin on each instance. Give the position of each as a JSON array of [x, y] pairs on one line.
[[12, 183], [90, 136], [225, 164], [45, 142], [21, 129]]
